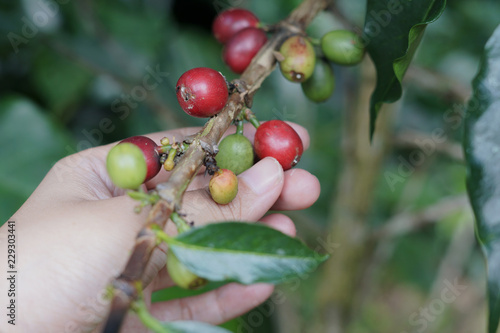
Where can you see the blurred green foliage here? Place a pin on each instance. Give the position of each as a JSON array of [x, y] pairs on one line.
[[88, 61]]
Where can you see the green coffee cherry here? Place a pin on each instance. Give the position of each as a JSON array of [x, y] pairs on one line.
[[126, 166], [299, 59], [321, 84], [235, 153], [343, 47], [182, 276]]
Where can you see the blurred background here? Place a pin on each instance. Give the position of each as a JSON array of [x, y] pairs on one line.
[[393, 215]]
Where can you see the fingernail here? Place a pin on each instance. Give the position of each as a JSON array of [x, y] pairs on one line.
[[263, 176]]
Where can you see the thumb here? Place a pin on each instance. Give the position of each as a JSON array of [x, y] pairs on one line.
[[258, 189]]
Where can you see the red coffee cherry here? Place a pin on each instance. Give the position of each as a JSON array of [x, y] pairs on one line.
[[232, 20], [202, 92], [277, 139], [242, 47], [151, 156]]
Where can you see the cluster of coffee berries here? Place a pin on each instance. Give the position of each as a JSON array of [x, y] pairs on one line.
[[203, 92], [239, 30], [273, 138], [138, 159], [301, 62]]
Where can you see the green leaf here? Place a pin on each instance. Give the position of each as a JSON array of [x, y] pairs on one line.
[[32, 143], [392, 33], [192, 327], [482, 152], [244, 252]]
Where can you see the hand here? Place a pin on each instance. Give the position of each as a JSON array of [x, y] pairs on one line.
[[76, 231]]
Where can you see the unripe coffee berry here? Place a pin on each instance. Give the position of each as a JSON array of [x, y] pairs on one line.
[[169, 165], [148, 148], [223, 186], [181, 275], [299, 59], [343, 47], [126, 166], [231, 21], [242, 47], [235, 153], [202, 92], [277, 139], [321, 84]]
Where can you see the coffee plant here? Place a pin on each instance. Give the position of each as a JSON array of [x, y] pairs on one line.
[[367, 67], [225, 251]]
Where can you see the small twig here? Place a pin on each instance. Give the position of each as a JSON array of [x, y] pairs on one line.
[[409, 221], [438, 84], [461, 245], [411, 139], [180, 223], [453, 265], [457, 255]]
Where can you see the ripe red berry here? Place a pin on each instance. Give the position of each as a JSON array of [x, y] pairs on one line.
[[242, 47], [232, 20], [277, 139], [202, 92], [151, 156]]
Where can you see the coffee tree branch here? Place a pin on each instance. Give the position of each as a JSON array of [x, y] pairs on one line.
[[125, 287]]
